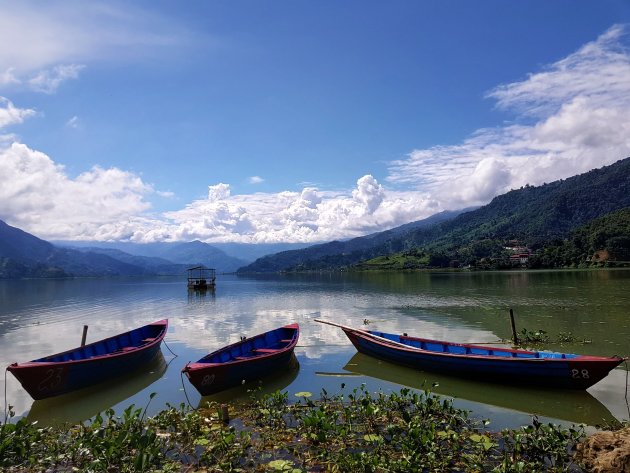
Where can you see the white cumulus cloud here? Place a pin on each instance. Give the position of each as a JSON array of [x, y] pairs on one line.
[[256, 180], [11, 115], [311, 215], [576, 117], [569, 118], [36, 194]]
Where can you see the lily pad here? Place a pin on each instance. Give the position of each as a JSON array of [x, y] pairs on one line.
[[280, 465]]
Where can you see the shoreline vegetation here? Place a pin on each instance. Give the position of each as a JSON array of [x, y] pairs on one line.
[[356, 431]]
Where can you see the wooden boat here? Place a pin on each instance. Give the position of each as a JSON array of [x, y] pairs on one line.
[[574, 405], [276, 381], [78, 406], [246, 360], [503, 365], [90, 364]]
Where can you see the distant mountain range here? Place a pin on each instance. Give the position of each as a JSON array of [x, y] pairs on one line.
[[538, 218], [190, 253], [24, 255], [532, 216], [241, 253]]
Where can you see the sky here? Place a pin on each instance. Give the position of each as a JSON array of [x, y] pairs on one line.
[[297, 121]]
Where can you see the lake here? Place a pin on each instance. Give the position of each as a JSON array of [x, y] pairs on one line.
[[42, 317]]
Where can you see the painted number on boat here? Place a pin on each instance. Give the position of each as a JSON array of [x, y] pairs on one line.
[[207, 380], [51, 380], [579, 374]]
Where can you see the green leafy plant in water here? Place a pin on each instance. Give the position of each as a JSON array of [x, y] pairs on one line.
[[529, 337], [359, 432], [539, 447], [271, 409], [122, 442], [105, 444]]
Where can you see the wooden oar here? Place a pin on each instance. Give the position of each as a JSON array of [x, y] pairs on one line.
[[345, 327]]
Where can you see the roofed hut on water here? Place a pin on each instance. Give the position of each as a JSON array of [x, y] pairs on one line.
[[200, 278]]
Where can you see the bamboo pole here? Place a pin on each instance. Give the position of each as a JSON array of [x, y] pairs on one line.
[[514, 336], [84, 336]]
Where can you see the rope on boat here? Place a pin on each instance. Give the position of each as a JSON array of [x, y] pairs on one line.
[[169, 348], [181, 375]]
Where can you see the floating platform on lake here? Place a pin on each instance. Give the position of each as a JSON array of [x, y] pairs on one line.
[[201, 278]]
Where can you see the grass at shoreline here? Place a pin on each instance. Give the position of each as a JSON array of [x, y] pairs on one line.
[[359, 431]]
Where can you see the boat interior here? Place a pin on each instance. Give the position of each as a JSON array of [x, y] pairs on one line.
[[263, 344], [462, 349], [118, 344]]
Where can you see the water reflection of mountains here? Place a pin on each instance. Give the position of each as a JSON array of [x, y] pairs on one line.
[[85, 403], [569, 405], [265, 385]]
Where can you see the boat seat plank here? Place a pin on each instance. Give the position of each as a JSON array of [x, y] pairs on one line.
[[266, 350]]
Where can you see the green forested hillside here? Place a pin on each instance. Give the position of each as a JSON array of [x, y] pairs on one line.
[[605, 240], [531, 217], [337, 254]]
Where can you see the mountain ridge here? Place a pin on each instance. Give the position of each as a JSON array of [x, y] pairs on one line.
[[25, 255], [534, 215]]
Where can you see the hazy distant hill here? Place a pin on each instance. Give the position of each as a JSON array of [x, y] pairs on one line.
[[241, 253], [533, 215], [150, 265], [24, 255], [341, 253], [197, 252], [187, 254], [249, 252]]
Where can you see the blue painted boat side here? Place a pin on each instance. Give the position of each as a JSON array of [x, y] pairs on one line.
[[486, 368], [542, 369], [246, 360], [255, 369], [91, 364], [81, 375]]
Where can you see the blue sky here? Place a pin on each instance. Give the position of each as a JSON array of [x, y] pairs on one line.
[[295, 121]]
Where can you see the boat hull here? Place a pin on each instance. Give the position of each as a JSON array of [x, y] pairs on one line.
[[248, 360], [512, 366], [91, 364]]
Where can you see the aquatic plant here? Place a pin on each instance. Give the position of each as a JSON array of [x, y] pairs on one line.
[[356, 431]]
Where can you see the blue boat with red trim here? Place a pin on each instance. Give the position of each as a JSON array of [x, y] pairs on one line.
[[503, 365], [90, 364], [249, 359]]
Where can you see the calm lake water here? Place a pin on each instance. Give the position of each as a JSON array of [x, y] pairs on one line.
[[42, 317]]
